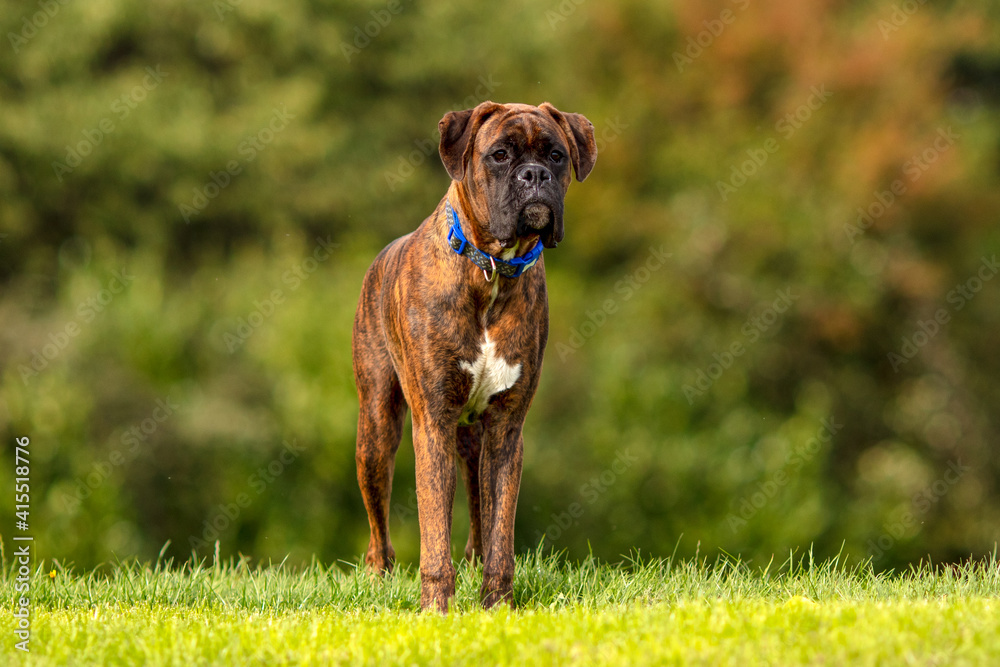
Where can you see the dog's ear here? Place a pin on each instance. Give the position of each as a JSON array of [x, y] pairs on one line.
[[458, 136], [580, 133]]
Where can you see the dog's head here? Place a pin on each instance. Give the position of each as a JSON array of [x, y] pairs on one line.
[[514, 162]]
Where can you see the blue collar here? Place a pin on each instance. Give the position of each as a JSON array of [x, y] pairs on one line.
[[509, 268]]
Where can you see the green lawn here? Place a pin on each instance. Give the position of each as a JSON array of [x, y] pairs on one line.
[[642, 612]]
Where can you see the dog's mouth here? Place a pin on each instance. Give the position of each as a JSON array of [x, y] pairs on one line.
[[535, 219]]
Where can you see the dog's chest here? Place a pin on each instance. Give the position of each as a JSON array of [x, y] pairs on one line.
[[491, 374]]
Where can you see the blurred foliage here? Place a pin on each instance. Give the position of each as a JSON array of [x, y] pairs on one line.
[[191, 192]]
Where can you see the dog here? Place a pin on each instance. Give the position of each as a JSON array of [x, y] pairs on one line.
[[452, 322]]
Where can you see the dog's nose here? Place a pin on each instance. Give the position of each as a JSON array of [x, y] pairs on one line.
[[533, 174]]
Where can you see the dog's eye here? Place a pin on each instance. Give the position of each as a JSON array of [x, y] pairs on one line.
[[556, 156], [500, 155]]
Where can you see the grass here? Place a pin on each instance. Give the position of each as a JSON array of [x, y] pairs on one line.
[[639, 612]]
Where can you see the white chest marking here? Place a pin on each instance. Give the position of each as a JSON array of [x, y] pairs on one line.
[[491, 374]]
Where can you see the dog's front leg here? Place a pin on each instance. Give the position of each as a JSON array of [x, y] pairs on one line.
[[500, 480], [434, 448]]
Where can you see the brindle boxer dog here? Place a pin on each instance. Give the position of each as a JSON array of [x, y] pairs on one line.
[[452, 322]]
